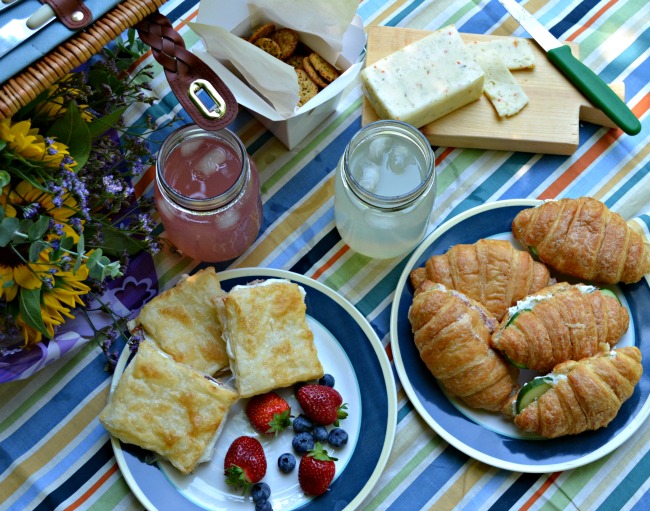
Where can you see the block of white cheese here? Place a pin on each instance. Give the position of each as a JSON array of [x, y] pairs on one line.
[[501, 88], [515, 52], [425, 80]]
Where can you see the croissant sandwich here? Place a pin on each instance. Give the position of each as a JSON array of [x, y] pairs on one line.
[[452, 334], [490, 271], [561, 322], [577, 396], [583, 238]]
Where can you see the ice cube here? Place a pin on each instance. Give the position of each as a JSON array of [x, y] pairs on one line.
[[369, 177], [189, 147], [377, 147], [398, 158], [210, 162]]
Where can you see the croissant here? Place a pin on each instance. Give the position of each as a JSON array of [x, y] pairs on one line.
[[580, 396], [561, 322], [583, 238], [490, 271], [452, 334]]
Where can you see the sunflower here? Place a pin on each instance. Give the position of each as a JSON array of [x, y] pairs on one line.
[[24, 140]]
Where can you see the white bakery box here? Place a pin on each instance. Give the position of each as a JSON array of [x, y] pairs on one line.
[[290, 128]]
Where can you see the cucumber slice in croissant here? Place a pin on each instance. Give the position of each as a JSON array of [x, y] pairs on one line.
[[532, 391]]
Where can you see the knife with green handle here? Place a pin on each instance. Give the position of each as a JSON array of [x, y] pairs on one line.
[[588, 82]]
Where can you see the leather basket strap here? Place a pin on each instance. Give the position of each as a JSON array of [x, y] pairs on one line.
[[188, 75], [74, 14]]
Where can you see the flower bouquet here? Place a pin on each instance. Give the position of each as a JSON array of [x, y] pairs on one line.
[[69, 218]]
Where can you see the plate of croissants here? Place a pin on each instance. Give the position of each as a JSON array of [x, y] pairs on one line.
[[518, 332]]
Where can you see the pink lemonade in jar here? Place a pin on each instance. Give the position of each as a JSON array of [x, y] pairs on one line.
[[208, 194]]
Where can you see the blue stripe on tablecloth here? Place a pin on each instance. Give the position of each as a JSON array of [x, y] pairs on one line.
[[62, 465], [317, 252], [515, 491], [627, 486], [627, 59], [433, 478], [400, 15], [56, 411], [572, 19], [73, 483]]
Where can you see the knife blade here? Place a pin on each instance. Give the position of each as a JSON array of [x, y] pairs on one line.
[[4, 4], [16, 31], [588, 82]]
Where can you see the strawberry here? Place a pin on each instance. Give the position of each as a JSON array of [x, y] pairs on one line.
[[245, 463], [322, 404], [268, 413], [316, 471]]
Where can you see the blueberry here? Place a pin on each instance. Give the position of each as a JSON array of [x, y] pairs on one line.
[[337, 437], [260, 492], [320, 433], [263, 505], [286, 462], [302, 424], [327, 380], [303, 442]]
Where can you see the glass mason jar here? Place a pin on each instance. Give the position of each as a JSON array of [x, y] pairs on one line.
[[207, 193], [384, 191]]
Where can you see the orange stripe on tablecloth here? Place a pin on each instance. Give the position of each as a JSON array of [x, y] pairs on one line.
[[540, 491], [93, 488], [330, 262], [145, 179], [591, 154], [591, 20]]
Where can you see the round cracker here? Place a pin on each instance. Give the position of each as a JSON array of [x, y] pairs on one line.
[[287, 39], [264, 30], [269, 46], [306, 88], [315, 77], [323, 68], [295, 61]]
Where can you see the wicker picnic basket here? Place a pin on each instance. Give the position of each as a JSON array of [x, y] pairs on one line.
[[187, 74]]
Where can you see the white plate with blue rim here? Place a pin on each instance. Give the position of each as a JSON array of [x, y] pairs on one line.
[[490, 437], [350, 350]]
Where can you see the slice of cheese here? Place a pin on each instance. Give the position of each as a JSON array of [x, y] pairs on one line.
[[503, 91], [515, 52], [425, 80]]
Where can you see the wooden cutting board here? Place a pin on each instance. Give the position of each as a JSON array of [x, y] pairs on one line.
[[548, 124]]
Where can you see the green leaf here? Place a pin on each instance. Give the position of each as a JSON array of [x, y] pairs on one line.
[[115, 243], [73, 131], [94, 258], [30, 309], [35, 250], [99, 126], [8, 229], [3, 144], [5, 177], [80, 254], [66, 243], [38, 228]]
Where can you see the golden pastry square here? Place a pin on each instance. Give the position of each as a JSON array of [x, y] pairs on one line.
[[271, 343], [166, 407], [183, 322]]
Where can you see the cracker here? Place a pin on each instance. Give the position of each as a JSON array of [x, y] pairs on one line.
[[324, 68], [269, 46], [306, 88], [313, 74], [264, 30], [295, 61], [287, 40]]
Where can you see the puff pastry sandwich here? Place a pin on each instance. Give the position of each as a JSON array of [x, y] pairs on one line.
[[452, 332], [183, 322], [167, 407], [490, 271], [578, 396], [583, 238], [561, 322], [270, 343]]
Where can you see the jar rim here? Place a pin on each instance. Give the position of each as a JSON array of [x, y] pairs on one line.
[[190, 132], [390, 201]]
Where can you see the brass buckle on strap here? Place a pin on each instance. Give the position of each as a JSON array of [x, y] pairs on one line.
[[219, 108]]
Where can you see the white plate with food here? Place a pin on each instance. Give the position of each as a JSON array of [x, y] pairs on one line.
[[490, 437], [349, 350]]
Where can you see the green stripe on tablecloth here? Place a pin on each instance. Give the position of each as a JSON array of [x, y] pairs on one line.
[[46, 387], [112, 496]]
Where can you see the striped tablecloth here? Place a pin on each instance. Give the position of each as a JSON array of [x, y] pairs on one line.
[[54, 453]]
